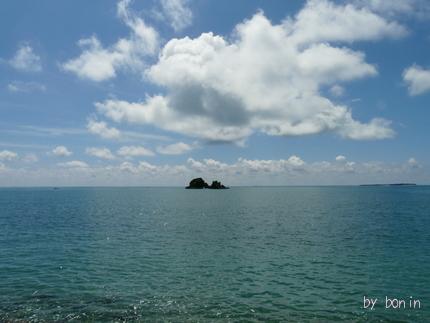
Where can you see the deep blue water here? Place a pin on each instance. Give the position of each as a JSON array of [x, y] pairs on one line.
[[244, 254]]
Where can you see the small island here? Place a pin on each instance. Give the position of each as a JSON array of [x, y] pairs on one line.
[[199, 183]]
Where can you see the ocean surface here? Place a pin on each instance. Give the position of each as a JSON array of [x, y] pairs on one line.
[[287, 254]]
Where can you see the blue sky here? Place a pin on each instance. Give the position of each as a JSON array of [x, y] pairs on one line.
[[250, 92]]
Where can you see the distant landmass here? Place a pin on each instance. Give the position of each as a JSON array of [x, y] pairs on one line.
[[199, 183], [394, 184]]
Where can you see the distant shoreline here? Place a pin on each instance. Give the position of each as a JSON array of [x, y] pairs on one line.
[[394, 184]]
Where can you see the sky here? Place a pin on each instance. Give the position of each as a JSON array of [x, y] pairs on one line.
[[157, 92]]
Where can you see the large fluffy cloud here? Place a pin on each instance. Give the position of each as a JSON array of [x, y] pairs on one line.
[[322, 20], [417, 80], [266, 78], [98, 63]]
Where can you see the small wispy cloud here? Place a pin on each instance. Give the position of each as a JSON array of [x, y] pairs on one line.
[[176, 13], [30, 158], [175, 149], [8, 155], [417, 79], [74, 164], [101, 129], [337, 90], [26, 60], [134, 151], [103, 153], [25, 87], [61, 151], [22, 145]]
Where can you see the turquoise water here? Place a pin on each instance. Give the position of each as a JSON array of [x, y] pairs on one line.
[[305, 254]]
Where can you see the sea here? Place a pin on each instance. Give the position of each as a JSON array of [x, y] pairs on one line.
[[247, 254]]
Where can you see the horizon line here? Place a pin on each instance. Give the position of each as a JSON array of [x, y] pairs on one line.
[[231, 186]]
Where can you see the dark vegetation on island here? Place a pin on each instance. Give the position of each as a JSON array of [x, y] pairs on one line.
[[395, 184], [199, 183]]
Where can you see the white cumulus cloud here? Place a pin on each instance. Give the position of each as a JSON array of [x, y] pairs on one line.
[[99, 63], [325, 21], [142, 167], [61, 151], [103, 153], [101, 129], [413, 163], [267, 78], [26, 60], [74, 164], [8, 155], [340, 158], [294, 163], [417, 80]]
